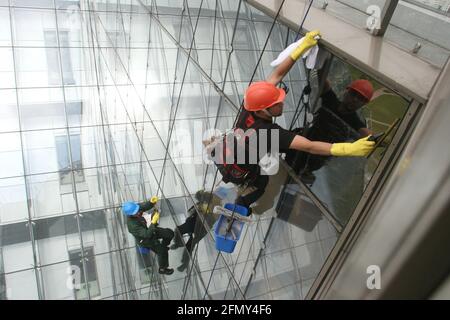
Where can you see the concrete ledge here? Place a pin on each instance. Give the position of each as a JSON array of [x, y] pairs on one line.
[[396, 68]]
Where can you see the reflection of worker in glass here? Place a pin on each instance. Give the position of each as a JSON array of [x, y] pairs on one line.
[[357, 95], [194, 226], [336, 121], [147, 233]]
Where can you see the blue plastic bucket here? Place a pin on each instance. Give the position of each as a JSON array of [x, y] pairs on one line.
[[226, 242]]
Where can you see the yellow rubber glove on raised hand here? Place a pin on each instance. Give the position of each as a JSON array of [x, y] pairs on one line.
[[359, 148], [307, 43], [155, 218], [154, 199]]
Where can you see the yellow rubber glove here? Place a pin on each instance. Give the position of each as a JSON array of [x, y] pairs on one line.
[[155, 218], [154, 199], [309, 42], [205, 208], [359, 148]]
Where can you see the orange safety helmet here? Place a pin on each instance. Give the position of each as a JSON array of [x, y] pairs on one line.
[[262, 95], [363, 87]]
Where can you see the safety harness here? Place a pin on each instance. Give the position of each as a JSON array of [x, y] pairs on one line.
[[241, 174]]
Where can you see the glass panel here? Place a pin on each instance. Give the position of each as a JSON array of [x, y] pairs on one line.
[[95, 233], [82, 106], [13, 200], [11, 163], [41, 154], [298, 242], [60, 281], [30, 26], [422, 22], [54, 236], [61, 199], [89, 289], [440, 5], [21, 285], [95, 192], [69, 26], [9, 119], [33, 3], [42, 108], [6, 68], [17, 249], [356, 12], [41, 71], [5, 26], [109, 276], [340, 181]]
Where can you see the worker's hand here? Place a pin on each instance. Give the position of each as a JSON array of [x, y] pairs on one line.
[[155, 218], [154, 199], [205, 208], [310, 41], [359, 148]]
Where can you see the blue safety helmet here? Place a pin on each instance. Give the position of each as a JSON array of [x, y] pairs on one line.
[[130, 208]]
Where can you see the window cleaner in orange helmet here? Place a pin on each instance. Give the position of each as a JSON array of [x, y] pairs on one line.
[[263, 101]]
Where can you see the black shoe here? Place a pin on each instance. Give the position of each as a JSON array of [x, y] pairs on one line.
[[167, 271], [182, 267]]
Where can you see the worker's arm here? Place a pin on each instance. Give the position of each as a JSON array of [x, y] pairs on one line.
[[282, 69], [359, 148], [145, 206], [364, 132], [301, 143], [141, 231]]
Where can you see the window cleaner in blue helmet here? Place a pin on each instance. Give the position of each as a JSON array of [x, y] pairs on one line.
[[149, 235]]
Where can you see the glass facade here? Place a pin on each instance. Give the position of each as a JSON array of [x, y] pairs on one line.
[[98, 103]]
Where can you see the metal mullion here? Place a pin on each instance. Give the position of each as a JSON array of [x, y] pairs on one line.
[[172, 97], [77, 215], [128, 68], [125, 273], [141, 168], [294, 262], [36, 267], [386, 15]]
